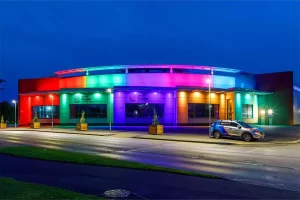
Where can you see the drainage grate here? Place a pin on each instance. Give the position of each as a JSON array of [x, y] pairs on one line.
[[117, 193]]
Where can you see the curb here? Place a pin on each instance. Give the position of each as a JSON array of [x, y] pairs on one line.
[[224, 143], [49, 131]]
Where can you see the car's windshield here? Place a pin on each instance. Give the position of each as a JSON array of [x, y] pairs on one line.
[[243, 124]]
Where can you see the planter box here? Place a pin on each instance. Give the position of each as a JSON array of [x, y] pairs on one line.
[[155, 129], [35, 125], [82, 127], [2, 125]]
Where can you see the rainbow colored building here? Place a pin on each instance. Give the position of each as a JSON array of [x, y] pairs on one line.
[[127, 94]]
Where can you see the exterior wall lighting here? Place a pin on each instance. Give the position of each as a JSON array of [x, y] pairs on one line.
[[262, 112], [270, 112]]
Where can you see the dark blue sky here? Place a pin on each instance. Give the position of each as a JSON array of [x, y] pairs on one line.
[[38, 38]]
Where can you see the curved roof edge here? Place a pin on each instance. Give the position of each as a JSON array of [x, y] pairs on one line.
[[112, 67]]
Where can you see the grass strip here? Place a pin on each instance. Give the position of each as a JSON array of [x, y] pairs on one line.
[[11, 189], [80, 158]]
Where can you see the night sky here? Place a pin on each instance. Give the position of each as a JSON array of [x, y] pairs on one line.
[[39, 38]]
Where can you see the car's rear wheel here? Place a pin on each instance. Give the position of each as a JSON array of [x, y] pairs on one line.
[[217, 134], [247, 137]]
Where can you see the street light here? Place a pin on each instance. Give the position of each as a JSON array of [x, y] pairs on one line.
[[15, 102], [51, 96], [109, 91], [209, 107]]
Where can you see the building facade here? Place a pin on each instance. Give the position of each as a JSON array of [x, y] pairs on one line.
[[180, 94]]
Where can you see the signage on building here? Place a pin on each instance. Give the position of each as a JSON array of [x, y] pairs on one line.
[[85, 99], [140, 97]]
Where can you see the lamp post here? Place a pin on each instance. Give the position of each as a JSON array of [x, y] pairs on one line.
[[209, 107], [110, 113], [51, 96], [15, 102]]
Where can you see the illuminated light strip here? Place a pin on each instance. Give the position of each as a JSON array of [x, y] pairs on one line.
[[99, 68], [296, 88]]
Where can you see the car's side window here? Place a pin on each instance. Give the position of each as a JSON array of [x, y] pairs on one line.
[[224, 123], [233, 124]]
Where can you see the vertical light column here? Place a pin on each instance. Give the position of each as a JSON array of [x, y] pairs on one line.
[[255, 109], [182, 109], [119, 107], [29, 110], [222, 110], [238, 102], [169, 110], [64, 109]]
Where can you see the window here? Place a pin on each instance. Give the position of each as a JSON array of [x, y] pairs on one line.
[[149, 70], [91, 110], [233, 124], [45, 112], [144, 109], [247, 111], [199, 110], [224, 123]]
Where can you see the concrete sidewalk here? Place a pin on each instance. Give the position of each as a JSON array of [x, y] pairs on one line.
[[272, 139]]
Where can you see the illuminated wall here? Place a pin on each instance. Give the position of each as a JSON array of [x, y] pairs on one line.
[[174, 80], [147, 80], [84, 98], [38, 84], [185, 97], [27, 102], [281, 98], [245, 81], [73, 82], [176, 103], [106, 81], [138, 97], [249, 99], [296, 106]]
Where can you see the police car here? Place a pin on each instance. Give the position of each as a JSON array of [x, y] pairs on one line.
[[229, 128]]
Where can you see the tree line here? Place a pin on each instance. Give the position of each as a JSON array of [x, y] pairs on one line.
[[7, 109]]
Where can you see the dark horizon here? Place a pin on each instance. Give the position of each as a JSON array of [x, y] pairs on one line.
[[39, 38]]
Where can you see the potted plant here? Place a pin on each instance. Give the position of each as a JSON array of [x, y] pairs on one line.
[[82, 126], [155, 128], [35, 122], [2, 124]]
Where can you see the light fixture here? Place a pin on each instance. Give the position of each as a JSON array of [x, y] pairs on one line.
[[270, 112], [262, 112], [108, 90]]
